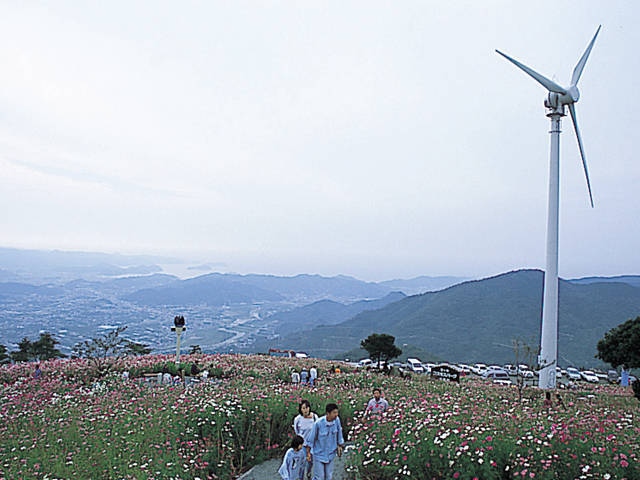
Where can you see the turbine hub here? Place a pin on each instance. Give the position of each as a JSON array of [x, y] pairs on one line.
[[574, 93]]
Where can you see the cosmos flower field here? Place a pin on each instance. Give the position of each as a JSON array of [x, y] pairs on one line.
[[70, 424]]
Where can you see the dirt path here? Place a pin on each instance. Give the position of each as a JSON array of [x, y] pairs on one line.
[[269, 470]]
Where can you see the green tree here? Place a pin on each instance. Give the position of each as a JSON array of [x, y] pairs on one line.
[[45, 347], [195, 349], [25, 351], [101, 351], [4, 358], [135, 348], [380, 347], [621, 345], [42, 349], [524, 353]]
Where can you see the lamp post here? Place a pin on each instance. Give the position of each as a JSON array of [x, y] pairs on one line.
[[179, 327]]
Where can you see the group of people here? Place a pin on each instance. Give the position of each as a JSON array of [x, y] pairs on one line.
[[305, 377], [548, 403], [318, 440], [196, 374]]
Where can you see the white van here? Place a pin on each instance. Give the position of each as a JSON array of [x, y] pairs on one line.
[[415, 365]]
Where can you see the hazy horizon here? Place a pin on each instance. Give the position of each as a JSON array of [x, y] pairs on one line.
[[188, 268]]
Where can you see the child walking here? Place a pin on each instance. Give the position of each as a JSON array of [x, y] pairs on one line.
[[293, 464]]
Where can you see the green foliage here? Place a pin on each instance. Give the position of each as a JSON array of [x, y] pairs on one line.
[[636, 389], [101, 351], [42, 349], [135, 348], [621, 345], [195, 349], [25, 352], [250, 433], [4, 358], [381, 347], [45, 347], [524, 352]]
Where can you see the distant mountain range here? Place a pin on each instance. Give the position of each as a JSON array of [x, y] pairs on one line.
[[324, 312], [74, 295], [422, 284], [55, 265], [226, 289], [628, 279], [478, 320]]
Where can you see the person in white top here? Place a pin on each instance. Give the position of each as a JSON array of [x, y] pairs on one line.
[[295, 378], [313, 375], [302, 425], [377, 404]]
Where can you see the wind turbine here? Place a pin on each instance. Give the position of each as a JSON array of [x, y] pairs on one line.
[[558, 98]]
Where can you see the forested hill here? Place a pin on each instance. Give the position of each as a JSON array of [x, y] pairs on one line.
[[477, 320]]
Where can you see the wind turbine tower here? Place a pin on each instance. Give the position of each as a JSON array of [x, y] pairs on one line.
[[556, 101]]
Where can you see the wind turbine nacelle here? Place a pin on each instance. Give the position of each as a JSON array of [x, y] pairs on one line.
[[553, 100], [556, 100]]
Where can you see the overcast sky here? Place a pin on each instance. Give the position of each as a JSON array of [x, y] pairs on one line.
[[373, 139]]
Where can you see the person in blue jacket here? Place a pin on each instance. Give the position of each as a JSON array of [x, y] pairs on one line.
[[293, 463], [324, 442]]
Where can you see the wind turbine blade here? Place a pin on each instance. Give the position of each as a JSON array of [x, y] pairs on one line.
[[572, 110], [580, 66], [544, 81]]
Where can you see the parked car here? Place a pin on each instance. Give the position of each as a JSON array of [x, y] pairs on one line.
[[589, 376], [478, 368], [527, 374], [524, 368], [365, 362], [488, 373], [632, 379], [573, 373], [558, 372], [499, 376], [415, 365], [428, 366], [612, 376], [511, 369]]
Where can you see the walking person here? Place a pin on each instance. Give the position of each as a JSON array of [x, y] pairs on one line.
[[295, 379], [292, 467], [377, 404], [302, 425], [324, 442], [304, 376], [313, 375]]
